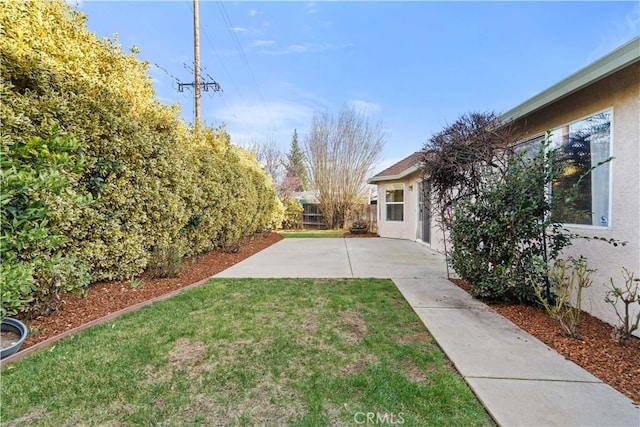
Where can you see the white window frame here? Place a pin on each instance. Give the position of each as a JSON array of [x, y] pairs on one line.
[[387, 203], [556, 129]]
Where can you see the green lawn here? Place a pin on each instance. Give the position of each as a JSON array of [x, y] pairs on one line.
[[312, 233], [247, 352]]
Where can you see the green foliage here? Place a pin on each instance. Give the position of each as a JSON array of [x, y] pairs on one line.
[[292, 211], [296, 170], [231, 197], [499, 235], [38, 176], [566, 278], [56, 72], [628, 296], [153, 182]]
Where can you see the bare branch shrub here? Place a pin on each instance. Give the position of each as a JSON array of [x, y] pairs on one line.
[[566, 278], [629, 295], [458, 159]]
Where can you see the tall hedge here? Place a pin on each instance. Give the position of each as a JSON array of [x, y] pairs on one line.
[[154, 182]]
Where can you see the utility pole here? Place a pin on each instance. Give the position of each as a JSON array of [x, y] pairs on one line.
[[197, 85], [196, 57]]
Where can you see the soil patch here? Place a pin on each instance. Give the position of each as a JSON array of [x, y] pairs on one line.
[[597, 352], [350, 235]]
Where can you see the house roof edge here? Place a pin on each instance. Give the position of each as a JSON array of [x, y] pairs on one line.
[[403, 174]]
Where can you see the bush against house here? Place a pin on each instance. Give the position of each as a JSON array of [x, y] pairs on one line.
[[503, 237], [494, 199], [501, 202], [154, 182]]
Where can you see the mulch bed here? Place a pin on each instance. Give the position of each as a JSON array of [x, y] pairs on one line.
[[350, 235], [597, 352], [103, 298]]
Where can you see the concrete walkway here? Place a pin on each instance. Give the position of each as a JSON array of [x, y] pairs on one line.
[[519, 379]]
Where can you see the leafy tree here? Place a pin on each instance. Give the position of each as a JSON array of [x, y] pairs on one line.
[[340, 152], [296, 176]]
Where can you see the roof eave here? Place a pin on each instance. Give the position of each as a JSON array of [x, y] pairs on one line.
[[620, 58], [410, 170]]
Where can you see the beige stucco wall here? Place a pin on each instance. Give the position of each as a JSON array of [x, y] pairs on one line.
[[407, 229], [619, 93]]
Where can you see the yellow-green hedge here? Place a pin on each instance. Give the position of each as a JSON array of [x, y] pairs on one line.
[[154, 181]]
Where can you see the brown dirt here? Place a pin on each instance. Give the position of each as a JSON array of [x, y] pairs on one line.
[[597, 352], [349, 235]]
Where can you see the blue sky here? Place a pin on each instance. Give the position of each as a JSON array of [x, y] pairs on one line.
[[415, 66]]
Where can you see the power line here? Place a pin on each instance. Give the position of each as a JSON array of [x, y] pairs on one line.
[[234, 37], [215, 51]]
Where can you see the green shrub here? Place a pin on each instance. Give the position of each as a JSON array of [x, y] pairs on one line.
[[153, 181], [292, 211], [37, 175], [499, 236]]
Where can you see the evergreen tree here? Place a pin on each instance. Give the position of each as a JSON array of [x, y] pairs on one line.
[[296, 171]]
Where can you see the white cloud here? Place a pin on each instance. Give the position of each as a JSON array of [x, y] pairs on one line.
[[251, 122], [253, 12], [238, 29], [262, 43], [297, 48], [311, 8], [365, 107]]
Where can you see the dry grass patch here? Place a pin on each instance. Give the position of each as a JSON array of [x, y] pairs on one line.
[[354, 323], [415, 337], [187, 352]]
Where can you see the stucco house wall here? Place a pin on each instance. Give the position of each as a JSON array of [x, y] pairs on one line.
[[618, 93], [405, 229], [406, 173]]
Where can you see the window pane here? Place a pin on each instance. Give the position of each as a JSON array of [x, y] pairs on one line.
[[583, 145], [395, 212], [395, 193]]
